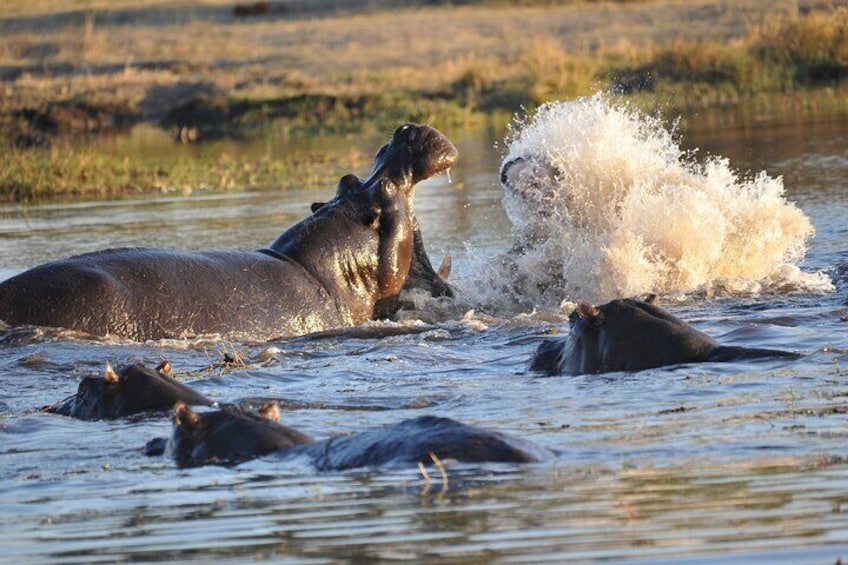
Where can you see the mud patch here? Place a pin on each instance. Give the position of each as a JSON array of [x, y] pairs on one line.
[[213, 117], [42, 125]]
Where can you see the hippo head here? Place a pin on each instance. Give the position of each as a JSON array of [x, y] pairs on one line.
[[413, 154], [530, 180], [133, 389], [228, 436], [532, 200], [623, 335]]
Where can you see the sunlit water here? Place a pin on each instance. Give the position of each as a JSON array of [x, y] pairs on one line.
[[738, 462]]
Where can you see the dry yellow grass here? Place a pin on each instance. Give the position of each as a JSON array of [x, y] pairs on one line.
[[136, 51]]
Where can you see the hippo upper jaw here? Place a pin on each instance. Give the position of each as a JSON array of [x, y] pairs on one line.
[[414, 153]]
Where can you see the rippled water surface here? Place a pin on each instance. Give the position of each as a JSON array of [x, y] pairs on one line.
[[737, 462]]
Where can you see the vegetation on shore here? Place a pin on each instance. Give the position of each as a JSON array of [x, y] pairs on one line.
[[287, 73]]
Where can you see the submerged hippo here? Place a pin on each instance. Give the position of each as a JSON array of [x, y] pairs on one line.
[[631, 335], [232, 435], [340, 267], [132, 390]]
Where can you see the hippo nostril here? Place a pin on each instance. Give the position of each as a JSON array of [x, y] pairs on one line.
[[406, 133]]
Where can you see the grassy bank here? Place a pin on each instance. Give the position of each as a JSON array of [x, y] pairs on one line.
[[68, 169], [201, 72]]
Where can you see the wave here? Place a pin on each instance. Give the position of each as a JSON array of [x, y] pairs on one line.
[[604, 203]]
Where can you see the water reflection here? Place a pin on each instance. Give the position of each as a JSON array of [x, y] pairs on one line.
[[556, 514]]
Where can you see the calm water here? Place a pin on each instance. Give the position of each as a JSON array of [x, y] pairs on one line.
[[739, 462]]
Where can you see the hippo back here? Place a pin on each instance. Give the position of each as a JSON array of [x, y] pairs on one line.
[[413, 441], [148, 293]]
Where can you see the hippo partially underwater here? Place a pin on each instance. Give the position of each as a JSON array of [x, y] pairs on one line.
[[235, 433], [342, 266], [632, 335], [232, 435], [131, 390], [421, 273]]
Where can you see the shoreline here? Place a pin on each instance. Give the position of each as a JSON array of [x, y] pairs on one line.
[[73, 76]]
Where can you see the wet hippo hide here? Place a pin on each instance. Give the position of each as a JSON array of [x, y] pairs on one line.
[[232, 435], [339, 267], [131, 390], [227, 436], [632, 335], [421, 273]]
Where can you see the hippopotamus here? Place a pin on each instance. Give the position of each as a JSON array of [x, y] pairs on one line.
[[131, 390], [233, 434], [343, 265], [421, 274], [632, 335]]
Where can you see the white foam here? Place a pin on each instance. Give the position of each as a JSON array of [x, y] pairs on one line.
[[604, 203]]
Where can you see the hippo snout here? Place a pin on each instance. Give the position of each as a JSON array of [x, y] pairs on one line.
[[416, 152]]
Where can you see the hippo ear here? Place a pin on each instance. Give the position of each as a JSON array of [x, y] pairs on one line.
[[184, 416], [110, 375], [652, 299], [270, 411], [445, 267], [317, 206], [348, 184], [164, 367], [592, 314]]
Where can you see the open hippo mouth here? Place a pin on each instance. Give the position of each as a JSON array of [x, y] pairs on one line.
[[414, 153]]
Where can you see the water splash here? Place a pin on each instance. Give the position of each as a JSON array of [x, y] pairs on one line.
[[604, 203]]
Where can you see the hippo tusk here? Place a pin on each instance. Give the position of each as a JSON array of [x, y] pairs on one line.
[[445, 268]]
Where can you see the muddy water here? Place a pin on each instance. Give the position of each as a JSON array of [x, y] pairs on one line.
[[740, 462]]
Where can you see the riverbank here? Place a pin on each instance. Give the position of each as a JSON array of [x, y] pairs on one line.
[[203, 71]]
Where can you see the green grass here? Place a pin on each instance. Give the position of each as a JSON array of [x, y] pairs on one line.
[[69, 170]]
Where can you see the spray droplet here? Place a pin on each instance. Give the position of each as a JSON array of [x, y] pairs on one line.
[[608, 205]]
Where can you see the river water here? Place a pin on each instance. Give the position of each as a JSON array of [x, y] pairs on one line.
[[739, 462]]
